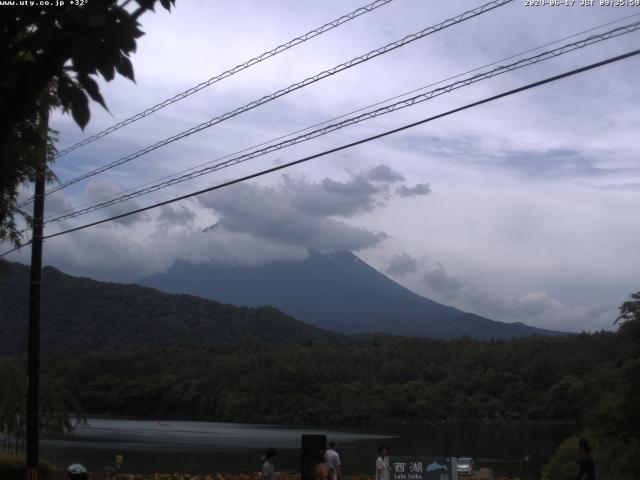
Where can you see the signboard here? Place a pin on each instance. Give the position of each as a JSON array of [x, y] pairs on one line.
[[423, 468], [119, 460]]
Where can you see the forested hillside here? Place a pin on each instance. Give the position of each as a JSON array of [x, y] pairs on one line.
[[391, 380], [83, 315]]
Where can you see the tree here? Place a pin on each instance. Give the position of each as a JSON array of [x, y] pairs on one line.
[[49, 57], [59, 414], [630, 331], [612, 417], [629, 319]]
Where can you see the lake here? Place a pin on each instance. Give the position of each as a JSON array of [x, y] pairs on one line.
[[201, 447]]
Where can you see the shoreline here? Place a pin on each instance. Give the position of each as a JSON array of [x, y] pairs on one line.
[[385, 422]]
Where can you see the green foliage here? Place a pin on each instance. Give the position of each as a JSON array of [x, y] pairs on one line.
[[12, 467], [48, 58], [613, 417], [66, 46], [21, 159], [59, 410], [391, 381], [630, 310], [564, 464]]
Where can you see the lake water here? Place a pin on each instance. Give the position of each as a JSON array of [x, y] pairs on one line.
[[201, 447]]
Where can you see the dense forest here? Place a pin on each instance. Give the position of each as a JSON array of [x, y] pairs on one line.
[[382, 380]]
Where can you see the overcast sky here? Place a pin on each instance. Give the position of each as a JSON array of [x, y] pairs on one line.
[[525, 209]]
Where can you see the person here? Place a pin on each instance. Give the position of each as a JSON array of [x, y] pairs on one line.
[[587, 467], [268, 470], [333, 459], [382, 463], [322, 472], [77, 472]]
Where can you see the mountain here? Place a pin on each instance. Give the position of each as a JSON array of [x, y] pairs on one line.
[[336, 291], [84, 315]]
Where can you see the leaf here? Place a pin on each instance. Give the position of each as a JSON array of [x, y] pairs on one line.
[[96, 19], [64, 91], [146, 4], [167, 4], [107, 71], [91, 87], [80, 107], [125, 68]]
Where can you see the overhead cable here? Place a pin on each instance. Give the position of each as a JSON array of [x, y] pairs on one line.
[[227, 73], [409, 102], [529, 86], [296, 86]]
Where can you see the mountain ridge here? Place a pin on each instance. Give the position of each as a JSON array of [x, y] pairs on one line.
[[80, 315], [336, 291]]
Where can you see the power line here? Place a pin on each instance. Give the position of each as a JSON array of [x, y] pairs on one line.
[[378, 103], [123, 196], [352, 144], [359, 118], [238, 68], [296, 86]]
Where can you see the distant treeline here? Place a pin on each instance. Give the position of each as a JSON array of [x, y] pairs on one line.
[[383, 380]]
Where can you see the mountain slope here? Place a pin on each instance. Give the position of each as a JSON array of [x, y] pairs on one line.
[[337, 291], [81, 315]]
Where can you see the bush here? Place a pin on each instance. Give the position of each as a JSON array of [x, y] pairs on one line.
[[630, 461], [12, 468], [564, 463]]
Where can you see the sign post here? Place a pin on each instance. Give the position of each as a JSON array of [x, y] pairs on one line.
[[423, 468]]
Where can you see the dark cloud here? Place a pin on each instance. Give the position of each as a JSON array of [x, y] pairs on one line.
[[553, 162], [102, 190], [383, 173], [178, 215], [447, 285], [402, 264], [57, 204], [415, 191], [298, 212], [544, 163], [254, 223]]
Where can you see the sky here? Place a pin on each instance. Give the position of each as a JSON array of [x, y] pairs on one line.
[[524, 209]]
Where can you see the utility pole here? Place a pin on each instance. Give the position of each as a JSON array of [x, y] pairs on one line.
[[33, 360]]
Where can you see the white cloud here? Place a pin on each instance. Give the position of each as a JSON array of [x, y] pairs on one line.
[[534, 308]]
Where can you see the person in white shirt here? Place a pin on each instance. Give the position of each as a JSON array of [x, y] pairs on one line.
[[332, 459], [268, 470], [382, 463]]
